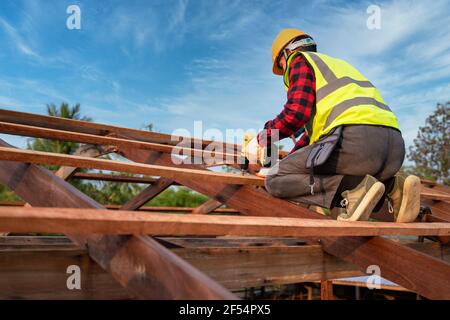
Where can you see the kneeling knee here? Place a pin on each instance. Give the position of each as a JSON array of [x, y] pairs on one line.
[[274, 186]]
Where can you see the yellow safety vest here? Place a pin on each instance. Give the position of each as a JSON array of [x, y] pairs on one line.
[[343, 97]]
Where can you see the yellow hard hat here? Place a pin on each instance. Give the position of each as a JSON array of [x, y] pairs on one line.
[[281, 41]]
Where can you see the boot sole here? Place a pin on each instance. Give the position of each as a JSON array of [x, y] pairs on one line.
[[367, 204], [410, 207]]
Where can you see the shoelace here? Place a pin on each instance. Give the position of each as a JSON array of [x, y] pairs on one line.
[[344, 205], [390, 206]]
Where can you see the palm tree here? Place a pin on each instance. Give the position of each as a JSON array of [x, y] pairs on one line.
[[64, 111]]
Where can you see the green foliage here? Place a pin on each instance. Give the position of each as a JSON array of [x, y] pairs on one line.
[[7, 195], [178, 197], [106, 192], [431, 149]]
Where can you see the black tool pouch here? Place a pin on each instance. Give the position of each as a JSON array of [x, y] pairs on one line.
[[321, 151]]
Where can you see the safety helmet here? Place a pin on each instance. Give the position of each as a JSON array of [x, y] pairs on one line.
[[283, 39]]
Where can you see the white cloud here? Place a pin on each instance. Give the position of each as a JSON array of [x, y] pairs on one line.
[[6, 102], [343, 29], [178, 17], [139, 26], [17, 39], [20, 93]]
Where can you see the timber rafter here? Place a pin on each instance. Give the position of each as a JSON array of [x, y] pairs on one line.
[[359, 244]]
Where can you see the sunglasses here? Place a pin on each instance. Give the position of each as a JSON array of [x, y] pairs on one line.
[[292, 46]]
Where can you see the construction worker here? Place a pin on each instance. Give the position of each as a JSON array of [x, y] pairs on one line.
[[352, 148]]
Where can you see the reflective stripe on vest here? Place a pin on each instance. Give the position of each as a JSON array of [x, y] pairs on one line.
[[343, 96]]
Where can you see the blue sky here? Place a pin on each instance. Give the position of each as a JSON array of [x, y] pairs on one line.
[[172, 62]]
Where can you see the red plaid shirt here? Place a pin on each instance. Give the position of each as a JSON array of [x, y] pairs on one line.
[[301, 99]]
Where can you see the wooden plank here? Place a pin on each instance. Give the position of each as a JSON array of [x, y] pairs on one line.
[[37, 157], [436, 186], [326, 290], [39, 242], [432, 248], [145, 208], [147, 194], [94, 221], [244, 267], [144, 267], [38, 272], [177, 209], [440, 212], [24, 261], [430, 193], [202, 242], [207, 207], [83, 150], [415, 271], [61, 135], [113, 178], [23, 265], [104, 129], [90, 151], [12, 203]]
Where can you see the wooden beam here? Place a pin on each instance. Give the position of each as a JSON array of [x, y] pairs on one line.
[[94, 221], [104, 129], [71, 125], [436, 186], [244, 267], [177, 209], [207, 207], [113, 178], [61, 135], [429, 193], [145, 208], [140, 264], [326, 290], [440, 212], [203, 242], [24, 261], [37, 157], [415, 271], [39, 272], [147, 194], [89, 151]]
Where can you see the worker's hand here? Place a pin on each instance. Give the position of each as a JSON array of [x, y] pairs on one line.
[[253, 151], [263, 172], [254, 168]]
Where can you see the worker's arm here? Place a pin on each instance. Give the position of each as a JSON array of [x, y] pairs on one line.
[[298, 108], [302, 142]]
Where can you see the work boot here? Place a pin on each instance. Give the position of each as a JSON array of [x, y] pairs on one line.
[[360, 201], [404, 199]]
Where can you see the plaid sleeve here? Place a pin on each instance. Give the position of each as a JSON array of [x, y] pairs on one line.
[[297, 111], [302, 142]]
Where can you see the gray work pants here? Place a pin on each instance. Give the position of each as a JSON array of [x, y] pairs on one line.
[[362, 149]]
